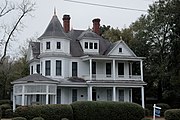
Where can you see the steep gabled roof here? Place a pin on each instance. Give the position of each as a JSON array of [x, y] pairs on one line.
[[54, 29]]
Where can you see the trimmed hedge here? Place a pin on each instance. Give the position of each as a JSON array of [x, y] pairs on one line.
[[5, 102], [4, 107], [48, 112], [164, 107], [172, 114], [8, 113], [0, 113], [103, 110], [38, 118], [19, 118]]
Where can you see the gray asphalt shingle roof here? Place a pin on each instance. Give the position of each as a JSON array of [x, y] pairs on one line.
[[35, 48], [54, 29], [33, 78]]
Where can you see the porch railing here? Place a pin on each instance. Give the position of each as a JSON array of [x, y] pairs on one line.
[[110, 77]]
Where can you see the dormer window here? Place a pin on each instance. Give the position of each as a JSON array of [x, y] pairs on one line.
[[48, 45], [58, 45], [95, 45], [120, 50], [91, 45], [86, 45]]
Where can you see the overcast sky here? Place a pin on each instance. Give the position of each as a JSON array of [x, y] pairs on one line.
[[81, 15]]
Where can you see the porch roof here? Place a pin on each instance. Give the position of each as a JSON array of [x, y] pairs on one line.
[[118, 82], [101, 83], [34, 78], [105, 57]]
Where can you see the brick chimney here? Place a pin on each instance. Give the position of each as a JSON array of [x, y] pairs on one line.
[[96, 25], [66, 23]]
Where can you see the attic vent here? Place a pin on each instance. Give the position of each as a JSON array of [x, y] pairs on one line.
[[120, 50]]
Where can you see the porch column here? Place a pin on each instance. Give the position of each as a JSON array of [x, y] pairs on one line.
[[89, 93], [114, 73], [55, 99], [22, 99], [47, 94], [14, 99], [114, 93], [141, 65], [142, 96], [90, 69]]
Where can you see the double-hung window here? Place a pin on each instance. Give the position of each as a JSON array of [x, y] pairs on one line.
[[48, 45], [58, 68], [48, 68], [58, 45]]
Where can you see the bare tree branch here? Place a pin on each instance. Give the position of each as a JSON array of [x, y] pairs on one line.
[[8, 7], [25, 8]]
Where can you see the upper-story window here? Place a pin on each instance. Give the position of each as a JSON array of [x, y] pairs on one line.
[[38, 68], [74, 69], [95, 45], [86, 45], [48, 45], [31, 69], [58, 68], [48, 68], [120, 69], [91, 45], [120, 50], [58, 45]]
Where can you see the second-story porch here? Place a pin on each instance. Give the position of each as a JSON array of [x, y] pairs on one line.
[[113, 68]]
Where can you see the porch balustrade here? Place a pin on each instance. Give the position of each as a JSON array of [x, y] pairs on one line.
[[110, 77]]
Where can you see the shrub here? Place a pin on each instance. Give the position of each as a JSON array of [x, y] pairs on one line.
[[164, 107], [48, 112], [101, 110], [8, 113], [5, 102], [146, 119], [38, 118], [147, 112], [0, 113], [19, 118], [172, 114], [4, 107]]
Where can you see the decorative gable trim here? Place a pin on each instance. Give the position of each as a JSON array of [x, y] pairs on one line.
[[117, 44]]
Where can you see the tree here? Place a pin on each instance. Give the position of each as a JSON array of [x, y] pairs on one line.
[[24, 9], [11, 70]]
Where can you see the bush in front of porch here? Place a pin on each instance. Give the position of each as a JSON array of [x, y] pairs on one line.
[[48, 112], [102, 110]]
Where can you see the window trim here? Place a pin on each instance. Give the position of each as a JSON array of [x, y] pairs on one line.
[[120, 50], [95, 45], [47, 68], [48, 45], [59, 67], [76, 74], [86, 45], [58, 45], [90, 45]]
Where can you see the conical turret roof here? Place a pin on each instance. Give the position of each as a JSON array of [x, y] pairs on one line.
[[54, 29]]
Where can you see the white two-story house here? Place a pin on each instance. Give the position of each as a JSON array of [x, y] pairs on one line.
[[78, 65]]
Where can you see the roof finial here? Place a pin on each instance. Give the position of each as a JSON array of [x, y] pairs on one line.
[[54, 10]]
